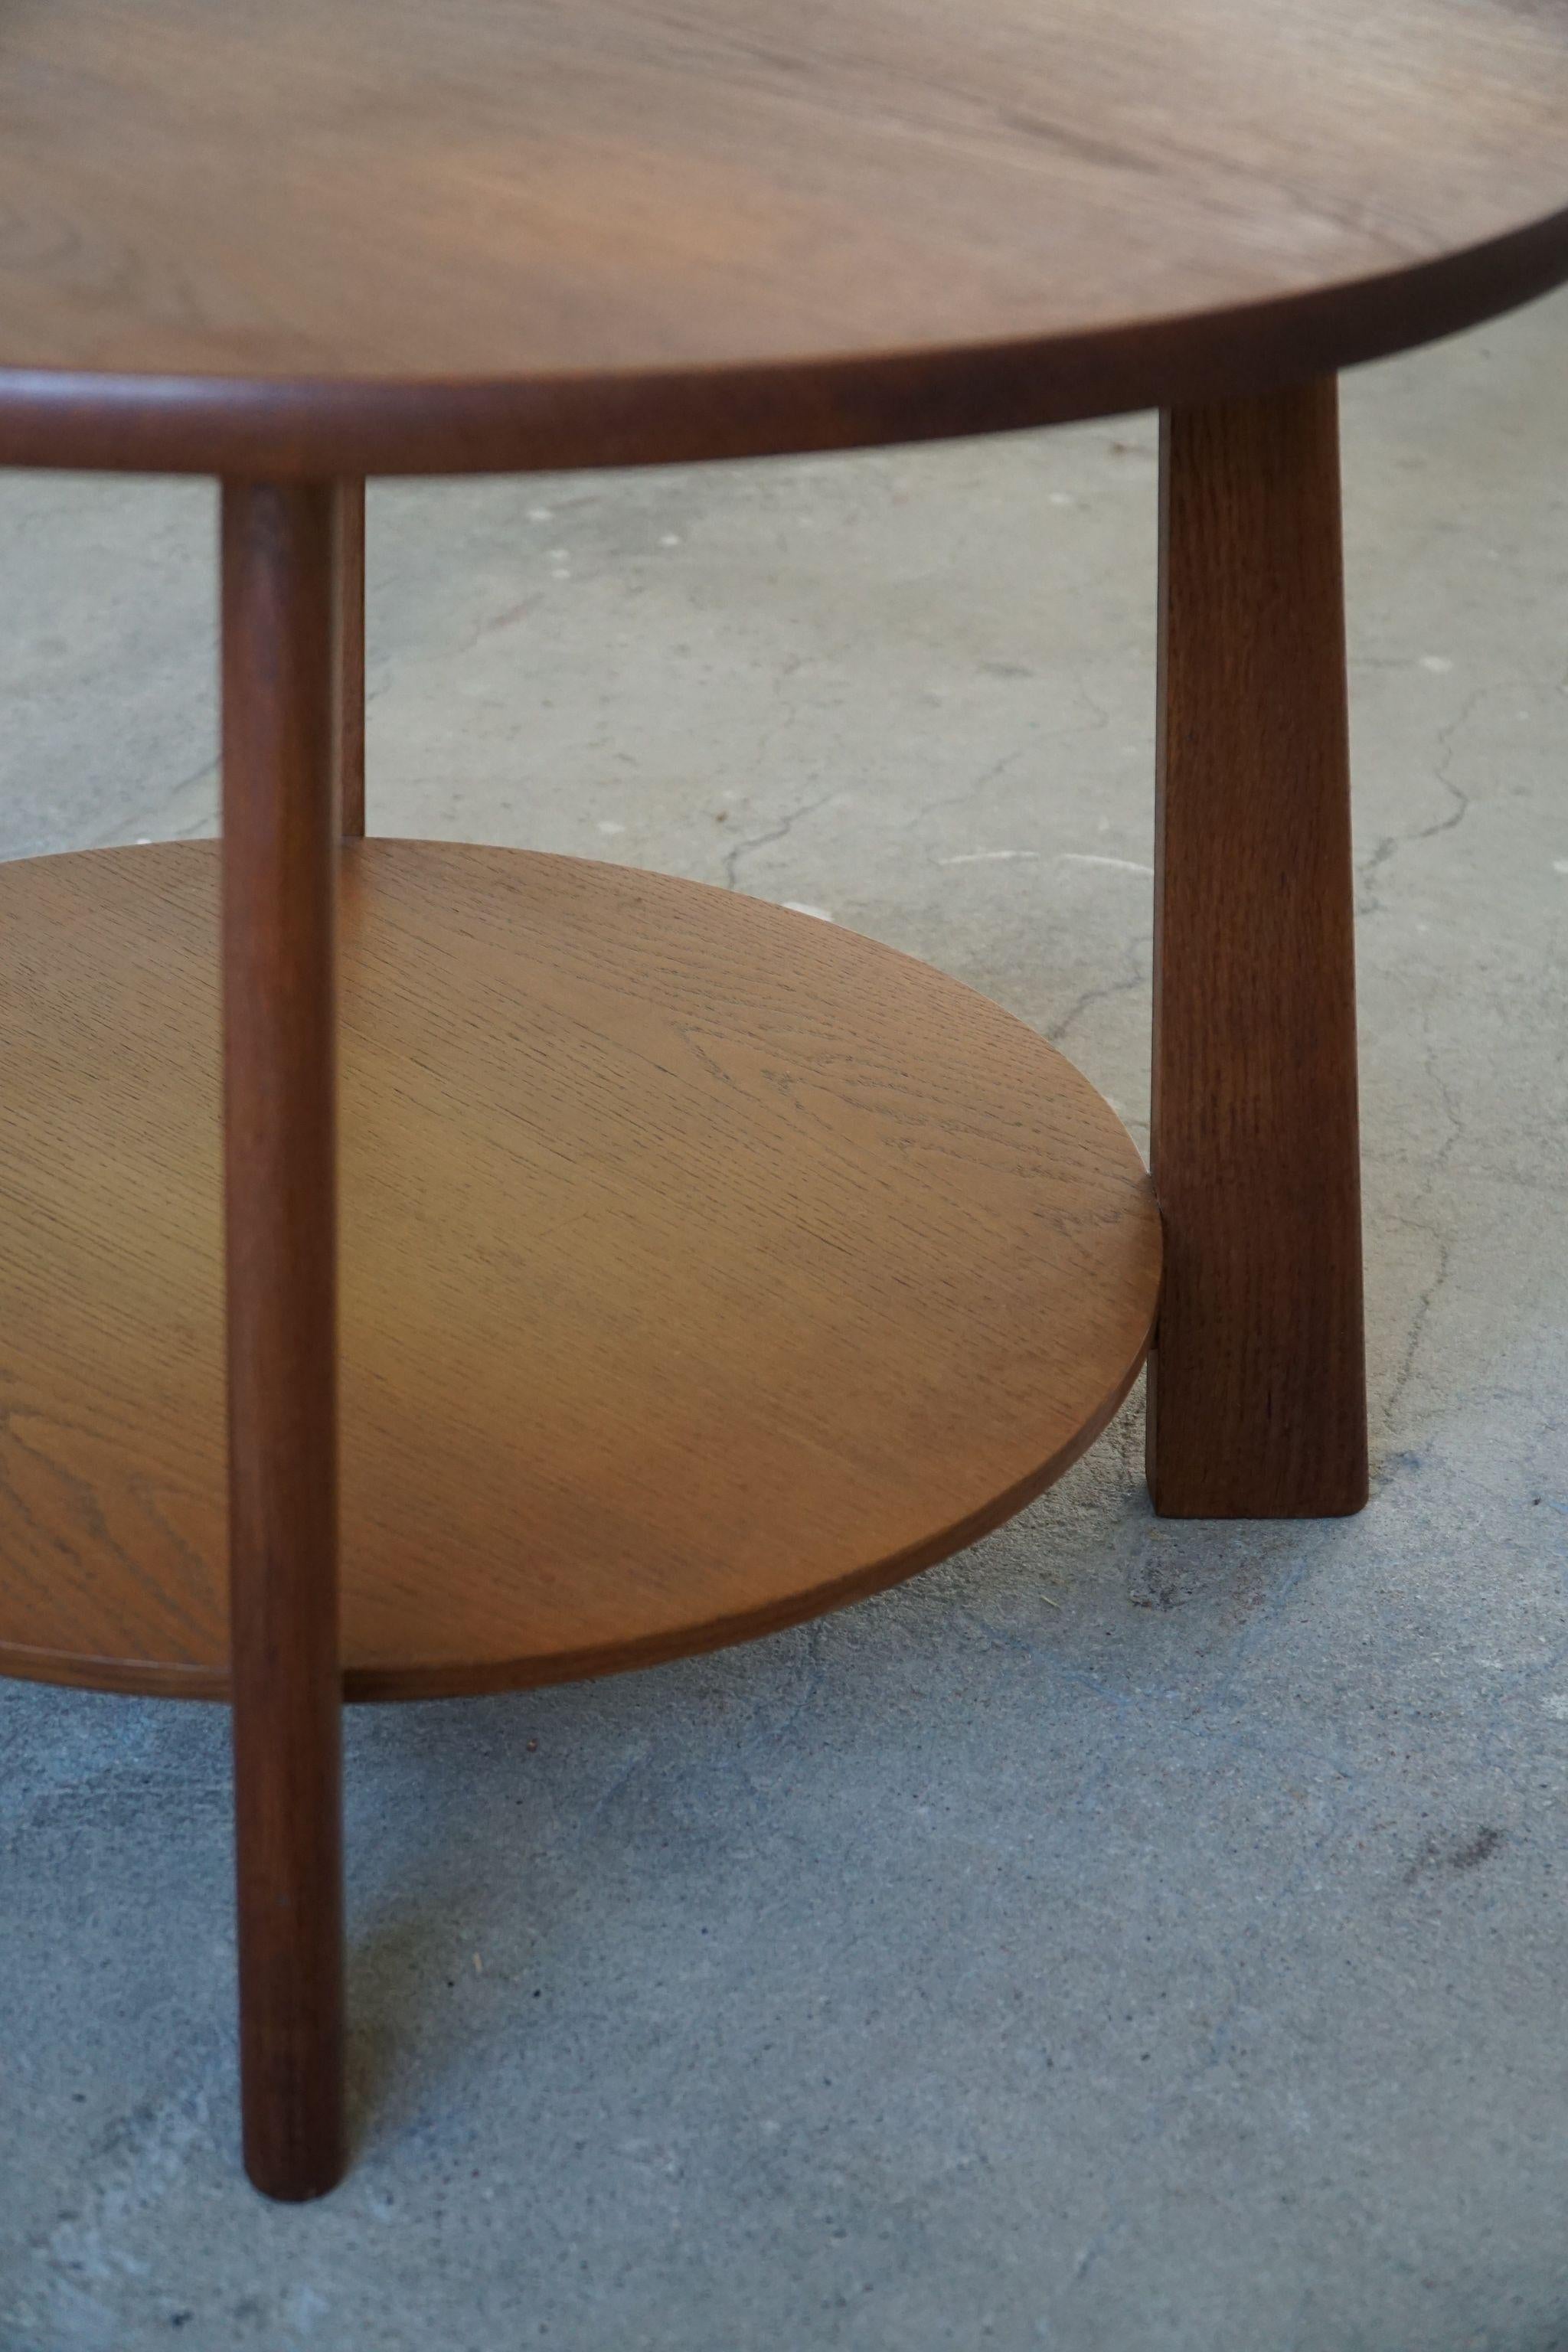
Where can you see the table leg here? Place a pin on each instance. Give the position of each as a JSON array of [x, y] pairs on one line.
[[281, 585], [1257, 1387], [350, 728]]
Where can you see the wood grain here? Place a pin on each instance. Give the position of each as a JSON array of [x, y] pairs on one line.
[[383, 236], [703, 1267], [1258, 1386], [280, 894]]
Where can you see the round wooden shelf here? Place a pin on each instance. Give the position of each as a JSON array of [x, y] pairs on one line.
[[703, 1267], [384, 236]]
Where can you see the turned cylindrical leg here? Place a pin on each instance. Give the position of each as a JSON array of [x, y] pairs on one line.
[[351, 660], [1257, 1387], [280, 706]]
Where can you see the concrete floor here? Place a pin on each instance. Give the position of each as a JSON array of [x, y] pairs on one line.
[[1132, 1935]]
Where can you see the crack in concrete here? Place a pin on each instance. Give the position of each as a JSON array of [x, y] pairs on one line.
[[764, 840], [967, 792], [1388, 847], [1441, 1241], [1138, 977], [1425, 1301]]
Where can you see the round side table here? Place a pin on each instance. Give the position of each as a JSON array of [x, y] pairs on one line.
[[432, 1269]]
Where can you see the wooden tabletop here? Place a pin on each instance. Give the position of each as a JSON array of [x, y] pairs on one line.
[[382, 235], [703, 1268]]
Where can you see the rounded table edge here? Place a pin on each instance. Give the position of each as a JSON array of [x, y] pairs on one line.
[[327, 427], [494, 1677]]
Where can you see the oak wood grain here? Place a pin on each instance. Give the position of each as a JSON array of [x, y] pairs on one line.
[[703, 1267], [280, 1098], [383, 236], [1257, 1384]]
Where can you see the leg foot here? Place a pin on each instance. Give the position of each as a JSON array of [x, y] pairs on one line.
[[1257, 1387]]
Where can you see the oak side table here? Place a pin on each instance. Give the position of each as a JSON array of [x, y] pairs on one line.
[[517, 1268]]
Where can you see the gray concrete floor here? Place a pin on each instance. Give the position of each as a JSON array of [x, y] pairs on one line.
[[1131, 1935]]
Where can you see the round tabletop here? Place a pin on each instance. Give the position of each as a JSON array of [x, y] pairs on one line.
[[379, 236], [702, 1268]]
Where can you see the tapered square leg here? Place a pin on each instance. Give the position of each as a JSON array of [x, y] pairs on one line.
[[1257, 1385], [281, 651]]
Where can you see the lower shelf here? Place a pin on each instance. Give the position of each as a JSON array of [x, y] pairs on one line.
[[703, 1267]]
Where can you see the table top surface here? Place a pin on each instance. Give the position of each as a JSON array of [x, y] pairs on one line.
[[383, 236], [702, 1268]]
